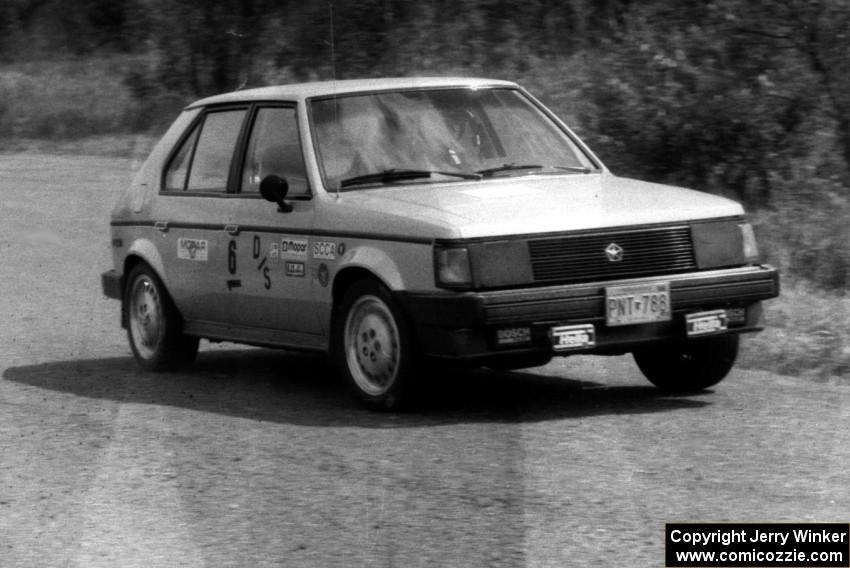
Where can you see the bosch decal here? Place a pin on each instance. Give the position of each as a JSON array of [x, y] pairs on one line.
[[192, 249], [513, 335]]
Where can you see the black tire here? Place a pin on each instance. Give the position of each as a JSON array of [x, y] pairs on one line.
[[689, 366], [373, 347], [154, 326]]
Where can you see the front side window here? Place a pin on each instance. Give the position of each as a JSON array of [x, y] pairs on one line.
[[203, 161], [450, 134], [274, 149]]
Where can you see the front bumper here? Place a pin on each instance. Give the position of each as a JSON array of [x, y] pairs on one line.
[[464, 325]]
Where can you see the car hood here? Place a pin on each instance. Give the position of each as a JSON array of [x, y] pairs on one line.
[[535, 204]]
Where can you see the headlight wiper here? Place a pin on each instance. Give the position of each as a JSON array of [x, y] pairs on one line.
[[396, 174]]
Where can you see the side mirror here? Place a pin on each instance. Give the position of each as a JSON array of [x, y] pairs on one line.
[[274, 188]]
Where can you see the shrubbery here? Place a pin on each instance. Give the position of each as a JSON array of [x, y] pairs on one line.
[[64, 99]]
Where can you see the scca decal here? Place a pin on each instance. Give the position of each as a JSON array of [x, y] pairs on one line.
[[324, 250]]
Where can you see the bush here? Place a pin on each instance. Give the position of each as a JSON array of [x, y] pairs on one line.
[[806, 233], [64, 99]]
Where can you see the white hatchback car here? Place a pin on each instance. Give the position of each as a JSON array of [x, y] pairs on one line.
[[422, 219]]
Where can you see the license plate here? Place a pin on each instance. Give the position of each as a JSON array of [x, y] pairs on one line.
[[705, 323], [640, 303], [573, 337]]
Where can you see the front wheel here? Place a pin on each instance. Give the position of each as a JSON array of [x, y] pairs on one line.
[[373, 346], [688, 366], [154, 327]]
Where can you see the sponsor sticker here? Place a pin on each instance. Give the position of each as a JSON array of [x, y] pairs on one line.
[[324, 250], [324, 274], [293, 247], [513, 335], [295, 269], [192, 249], [573, 336]]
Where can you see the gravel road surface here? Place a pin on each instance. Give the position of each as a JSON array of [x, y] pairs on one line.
[[260, 458]]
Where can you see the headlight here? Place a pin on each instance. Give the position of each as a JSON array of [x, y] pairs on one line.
[[451, 266], [719, 244], [751, 249]]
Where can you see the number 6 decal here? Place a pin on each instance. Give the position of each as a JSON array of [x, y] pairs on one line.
[[231, 257]]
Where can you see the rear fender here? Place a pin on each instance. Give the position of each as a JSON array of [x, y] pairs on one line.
[[147, 251]]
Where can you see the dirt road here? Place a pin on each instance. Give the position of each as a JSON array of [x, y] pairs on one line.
[[259, 458]]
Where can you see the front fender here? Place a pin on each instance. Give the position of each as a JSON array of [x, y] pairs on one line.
[[401, 266]]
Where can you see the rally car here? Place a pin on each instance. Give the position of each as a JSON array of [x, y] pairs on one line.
[[397, 222]]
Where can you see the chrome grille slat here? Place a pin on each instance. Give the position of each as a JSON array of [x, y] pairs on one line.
[[581, 258]]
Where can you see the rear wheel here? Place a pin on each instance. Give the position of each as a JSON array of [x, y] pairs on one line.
[[154, 327], [688, 366], [373, 347]]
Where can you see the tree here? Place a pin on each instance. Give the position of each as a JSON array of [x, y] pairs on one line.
[[817, 32]]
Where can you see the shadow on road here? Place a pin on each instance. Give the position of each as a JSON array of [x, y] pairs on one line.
[[301, 389]]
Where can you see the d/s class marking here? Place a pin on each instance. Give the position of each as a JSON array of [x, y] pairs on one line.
[[256, 252]]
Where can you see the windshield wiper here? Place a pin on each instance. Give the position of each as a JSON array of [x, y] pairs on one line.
[[509, 167], [396, 174]]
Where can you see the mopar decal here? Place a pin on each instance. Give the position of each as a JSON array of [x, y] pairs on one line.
[[192, 249], [324, 250], [293, 247]]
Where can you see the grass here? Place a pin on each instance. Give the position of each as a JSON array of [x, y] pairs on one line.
[[807, 334], [808, 325]]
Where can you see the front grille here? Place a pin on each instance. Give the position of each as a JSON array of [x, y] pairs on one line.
[[582, 258]]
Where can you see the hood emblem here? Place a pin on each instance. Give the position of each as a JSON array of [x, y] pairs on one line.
[[614, 252]]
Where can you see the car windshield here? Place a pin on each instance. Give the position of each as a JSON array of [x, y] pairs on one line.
[[438, 136]]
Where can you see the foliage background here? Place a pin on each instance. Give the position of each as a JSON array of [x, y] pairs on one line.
[[745, 98]]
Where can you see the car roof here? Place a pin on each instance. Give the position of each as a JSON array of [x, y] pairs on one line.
[[302, 91]]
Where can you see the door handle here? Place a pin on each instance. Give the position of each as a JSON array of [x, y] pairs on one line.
[[161, 226], [231, 229]]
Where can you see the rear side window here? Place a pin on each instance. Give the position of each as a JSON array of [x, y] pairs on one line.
[[203, 161]]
